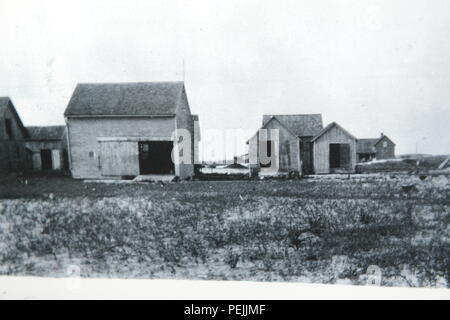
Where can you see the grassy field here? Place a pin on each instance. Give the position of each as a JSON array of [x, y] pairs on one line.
[[312, 230]]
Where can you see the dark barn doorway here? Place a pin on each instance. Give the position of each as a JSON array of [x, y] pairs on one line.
[[306, 155], [339, 156], [46, 159], [155, 157]]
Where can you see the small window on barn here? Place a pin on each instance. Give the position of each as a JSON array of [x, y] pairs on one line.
[[385, 144], [8, 126], [91, 154]]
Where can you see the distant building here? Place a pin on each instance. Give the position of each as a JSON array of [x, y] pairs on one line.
[[48, 148], [301, 144], [292, 150], [377, 148], [130, 129], [13, 156]]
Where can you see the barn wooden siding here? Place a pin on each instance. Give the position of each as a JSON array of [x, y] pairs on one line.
[[287, 149], [321, 149], [184, 120], [59, 153], [13, 157], [85, 146], [119, 158]]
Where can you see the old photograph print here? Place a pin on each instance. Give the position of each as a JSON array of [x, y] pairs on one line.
[[288, 141]]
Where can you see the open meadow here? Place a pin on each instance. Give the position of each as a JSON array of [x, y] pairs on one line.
[[376, 229]]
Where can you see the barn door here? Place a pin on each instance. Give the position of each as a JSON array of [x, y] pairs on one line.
[[46, 159], [119, 158], [335, 156], [155, 157], [345, 155], [306, 156]]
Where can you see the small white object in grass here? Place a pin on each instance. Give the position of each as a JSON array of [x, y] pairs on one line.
[[241, 197], [51, 196]]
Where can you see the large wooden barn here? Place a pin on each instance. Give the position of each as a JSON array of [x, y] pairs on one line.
[[127, 130], [291, 149]]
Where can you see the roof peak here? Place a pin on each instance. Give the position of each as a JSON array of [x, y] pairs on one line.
[[329, 126], [126, 99], [301, 125]]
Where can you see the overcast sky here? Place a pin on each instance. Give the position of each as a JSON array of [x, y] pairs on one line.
[[372, 66]]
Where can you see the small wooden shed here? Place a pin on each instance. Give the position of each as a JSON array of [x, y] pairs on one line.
[[48, 148], [287, 140], [334, 150]]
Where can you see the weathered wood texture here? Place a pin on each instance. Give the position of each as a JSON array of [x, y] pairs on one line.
[[185, 122], [85, 147], [59, 157], [119, 158], [321, 149]]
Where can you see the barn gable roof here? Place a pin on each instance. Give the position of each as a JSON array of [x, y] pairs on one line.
[[384, 137], [265, 123], [329, 127], [301, 125], [46, 133], [273, 118], [5, 103], [125, 99]]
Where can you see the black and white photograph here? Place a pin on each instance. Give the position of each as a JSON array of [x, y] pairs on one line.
[[215, 143]]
